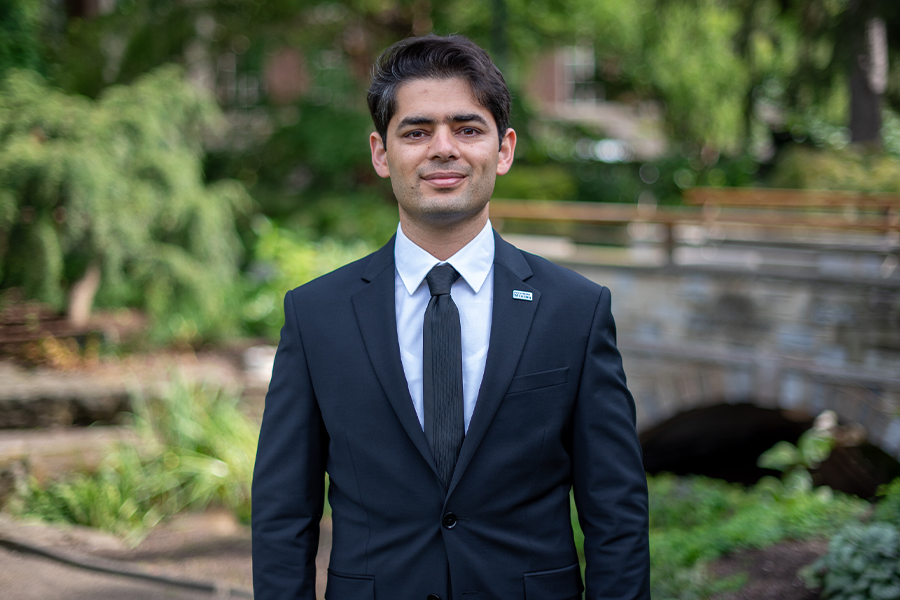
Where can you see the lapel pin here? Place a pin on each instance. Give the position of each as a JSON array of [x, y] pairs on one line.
[[521, 295]]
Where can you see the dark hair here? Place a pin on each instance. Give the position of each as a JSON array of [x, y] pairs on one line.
[[436, 57]]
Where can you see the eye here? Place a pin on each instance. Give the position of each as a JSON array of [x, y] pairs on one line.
[[469, 131], [415, 135]]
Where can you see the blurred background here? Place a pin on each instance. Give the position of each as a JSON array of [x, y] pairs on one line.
[[729, 168]]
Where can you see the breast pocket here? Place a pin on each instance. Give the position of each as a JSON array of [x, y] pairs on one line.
[[536, 381]]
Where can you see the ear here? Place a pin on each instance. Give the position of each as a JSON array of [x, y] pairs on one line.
[[507, 152], [379, 155]]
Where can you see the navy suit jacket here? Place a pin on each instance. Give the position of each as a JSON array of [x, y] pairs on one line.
[[553, 413]]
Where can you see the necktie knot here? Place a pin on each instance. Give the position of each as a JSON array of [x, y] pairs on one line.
[[441, 278]]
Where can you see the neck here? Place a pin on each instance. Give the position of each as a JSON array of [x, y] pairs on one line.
[[444, 240]]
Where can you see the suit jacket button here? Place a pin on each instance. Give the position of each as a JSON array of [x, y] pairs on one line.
[[449, 521], [432, 597]]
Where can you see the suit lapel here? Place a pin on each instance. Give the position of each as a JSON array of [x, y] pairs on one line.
[[377, 319], [510, 323]]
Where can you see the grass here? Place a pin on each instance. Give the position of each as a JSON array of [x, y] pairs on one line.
[[196, 448]]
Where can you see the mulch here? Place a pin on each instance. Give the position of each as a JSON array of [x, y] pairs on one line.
[[771, 572]]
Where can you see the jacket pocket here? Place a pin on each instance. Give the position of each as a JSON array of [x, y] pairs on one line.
[[536, 381], [555, 584], [341, 586]]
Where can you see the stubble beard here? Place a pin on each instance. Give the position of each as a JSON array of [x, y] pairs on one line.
[[445, 209]]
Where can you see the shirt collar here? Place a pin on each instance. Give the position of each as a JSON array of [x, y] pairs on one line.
[[473, 261]]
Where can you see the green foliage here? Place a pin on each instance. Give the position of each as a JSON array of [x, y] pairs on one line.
[[862, 559], [195, 447], [888, 507], [324, 148], [118, 182], [350, 218], [796, 462], [695, 65], [847, 169], [283, 260], [861, 564], [316, 172], [19, 34], [542, 182], [694, 520]]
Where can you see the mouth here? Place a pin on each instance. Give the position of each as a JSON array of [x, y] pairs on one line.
[[444, 179]]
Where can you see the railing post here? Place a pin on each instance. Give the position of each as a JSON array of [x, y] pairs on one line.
[[669, 243]]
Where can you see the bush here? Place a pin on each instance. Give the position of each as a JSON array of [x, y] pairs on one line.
[[284, 259], [543, 182], [196, 448], [888, 508], [116, 186], [695, 520], [847, 169], [863, 560], [861, 564]]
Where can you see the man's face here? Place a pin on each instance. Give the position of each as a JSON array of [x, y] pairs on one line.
[[441, 153]]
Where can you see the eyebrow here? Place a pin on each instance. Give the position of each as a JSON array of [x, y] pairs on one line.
[[462, 118]]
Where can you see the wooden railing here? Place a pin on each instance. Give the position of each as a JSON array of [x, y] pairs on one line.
[[793, 199], [764, 208]]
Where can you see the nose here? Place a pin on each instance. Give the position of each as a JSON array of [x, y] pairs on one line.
[[443, 145]]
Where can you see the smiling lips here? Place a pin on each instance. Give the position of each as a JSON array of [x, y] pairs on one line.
[[444, 179]]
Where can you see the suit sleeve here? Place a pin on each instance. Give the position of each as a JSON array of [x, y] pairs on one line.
[[288, 480], [609, 482]]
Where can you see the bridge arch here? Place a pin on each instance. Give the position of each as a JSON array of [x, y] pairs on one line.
[[692, 338], [668, 383]]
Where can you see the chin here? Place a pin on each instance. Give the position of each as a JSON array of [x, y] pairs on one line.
[[445, 212]]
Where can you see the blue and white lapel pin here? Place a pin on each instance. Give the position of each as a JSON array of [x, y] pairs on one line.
[[522, 295]]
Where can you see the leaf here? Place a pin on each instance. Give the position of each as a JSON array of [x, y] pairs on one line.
[[889, 591], [815, 447], [780, 457]]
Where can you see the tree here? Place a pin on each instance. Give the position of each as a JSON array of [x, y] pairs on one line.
[[19, 34], [108, 196]]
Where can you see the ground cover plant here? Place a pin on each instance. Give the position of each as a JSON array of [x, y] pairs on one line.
[[695, 520], [196, 448], [862, 559], [861, 564]]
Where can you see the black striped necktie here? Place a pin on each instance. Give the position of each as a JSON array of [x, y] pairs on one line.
[[442, 373]]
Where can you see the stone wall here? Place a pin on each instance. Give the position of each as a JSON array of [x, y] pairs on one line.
[[698, 337]]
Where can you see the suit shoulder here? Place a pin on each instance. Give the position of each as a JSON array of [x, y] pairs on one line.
[[343, 282]]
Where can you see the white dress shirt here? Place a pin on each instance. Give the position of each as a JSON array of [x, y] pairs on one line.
[[473, 294]]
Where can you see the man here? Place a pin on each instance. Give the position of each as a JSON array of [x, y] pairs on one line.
[[453, 388]]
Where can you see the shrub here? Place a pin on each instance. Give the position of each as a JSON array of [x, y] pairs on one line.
[[115, 188], [284, 259], [888, 508], [543, 182], [196, 448], [861, 564], [863, 560], [812, 449], [694, 520], [846, 169]]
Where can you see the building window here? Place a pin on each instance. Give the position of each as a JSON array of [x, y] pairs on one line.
[[580, 77]]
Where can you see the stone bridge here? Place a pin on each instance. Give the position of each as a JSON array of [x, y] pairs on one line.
[[697, 337], [741, 312]]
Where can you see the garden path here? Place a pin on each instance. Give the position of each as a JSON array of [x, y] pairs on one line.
[[209, 547]]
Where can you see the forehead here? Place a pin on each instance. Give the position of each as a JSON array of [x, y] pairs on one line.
[[437, 99]]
